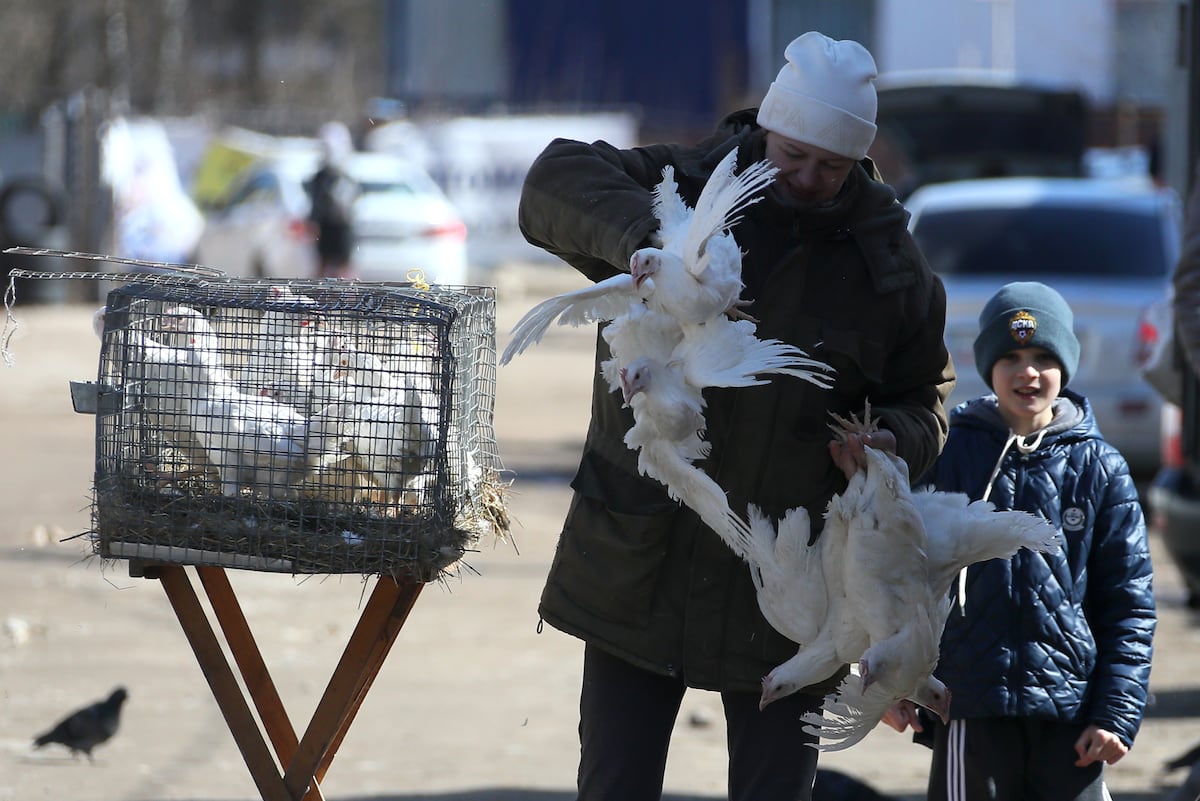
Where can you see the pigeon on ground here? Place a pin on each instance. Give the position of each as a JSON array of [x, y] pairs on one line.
[[86, 728]]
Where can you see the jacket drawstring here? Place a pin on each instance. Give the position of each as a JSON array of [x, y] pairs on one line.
[[1024, 446]]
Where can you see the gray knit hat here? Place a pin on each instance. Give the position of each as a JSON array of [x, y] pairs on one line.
[[1026, 314]]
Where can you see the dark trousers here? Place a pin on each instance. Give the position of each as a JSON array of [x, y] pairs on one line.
[[626, 715], [1011, 759]]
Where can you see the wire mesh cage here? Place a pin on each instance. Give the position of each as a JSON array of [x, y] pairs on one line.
[[305, 427]]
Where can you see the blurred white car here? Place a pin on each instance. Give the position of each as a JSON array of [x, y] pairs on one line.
[[1108, 246], [403, 223]]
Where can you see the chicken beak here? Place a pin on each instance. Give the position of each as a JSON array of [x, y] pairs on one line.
[[638, 274]]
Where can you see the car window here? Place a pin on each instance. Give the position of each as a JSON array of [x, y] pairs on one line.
[[391, 187], [1042, 240]]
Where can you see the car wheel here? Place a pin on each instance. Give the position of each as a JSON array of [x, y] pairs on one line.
[[45, 202]]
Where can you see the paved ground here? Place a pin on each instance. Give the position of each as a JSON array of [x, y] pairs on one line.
[[473, 702]]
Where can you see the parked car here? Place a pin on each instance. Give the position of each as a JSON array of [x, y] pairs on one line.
[[403, 222], [941, 125], [1107, 246]]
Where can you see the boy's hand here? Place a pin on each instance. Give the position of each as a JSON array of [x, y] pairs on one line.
[[1098, 745]]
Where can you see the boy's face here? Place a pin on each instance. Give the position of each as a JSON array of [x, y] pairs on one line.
[[1026, 382]]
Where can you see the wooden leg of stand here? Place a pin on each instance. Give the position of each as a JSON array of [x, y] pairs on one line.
[[225, 689], [257, 678], [409, 590], [388, 602]]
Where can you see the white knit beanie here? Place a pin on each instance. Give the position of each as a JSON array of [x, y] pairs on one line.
[[824, 95]]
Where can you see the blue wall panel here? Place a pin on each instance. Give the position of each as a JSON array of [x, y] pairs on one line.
[[681, 63]]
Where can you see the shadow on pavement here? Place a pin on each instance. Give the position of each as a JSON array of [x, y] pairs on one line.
[[1178, 703], [518, 794], [831, 785], [541, 461]]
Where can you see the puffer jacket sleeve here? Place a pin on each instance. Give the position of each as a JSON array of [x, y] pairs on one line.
[[591, 204], [1121, 610]]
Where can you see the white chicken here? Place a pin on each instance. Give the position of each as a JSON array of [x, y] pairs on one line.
[[639, 333], [283, 349], [599, 302], [874, 590], [726, 353], [670, 337], [695, 276], [719, 353], [667, 433], [252, 440], [160, 377], [387, 419], [697, 273]]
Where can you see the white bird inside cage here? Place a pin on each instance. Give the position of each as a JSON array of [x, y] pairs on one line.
[[386, 417], [283, 349], [160, 376], [251, 440], [326, 429]]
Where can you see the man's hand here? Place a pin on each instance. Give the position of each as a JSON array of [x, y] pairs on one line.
[[849, 455], [902, 715], [1098, 745]]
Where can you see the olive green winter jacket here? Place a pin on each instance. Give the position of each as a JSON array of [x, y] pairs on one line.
[[637, 574]]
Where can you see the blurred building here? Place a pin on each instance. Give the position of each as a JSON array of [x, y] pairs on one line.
[[284, 66], [685, 64]]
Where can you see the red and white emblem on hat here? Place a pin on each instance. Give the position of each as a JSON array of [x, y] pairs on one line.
[[1022, 327]]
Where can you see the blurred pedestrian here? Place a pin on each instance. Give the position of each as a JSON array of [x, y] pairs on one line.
[[660, 601], [1186, 280], [1047, 656], [1186, 312], [332, 193]]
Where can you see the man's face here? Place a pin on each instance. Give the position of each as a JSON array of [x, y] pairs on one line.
[[808, 175]]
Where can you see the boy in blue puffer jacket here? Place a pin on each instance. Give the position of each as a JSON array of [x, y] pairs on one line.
[[1047, 655]]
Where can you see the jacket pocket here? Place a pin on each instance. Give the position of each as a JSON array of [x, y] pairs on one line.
[[608, 563]]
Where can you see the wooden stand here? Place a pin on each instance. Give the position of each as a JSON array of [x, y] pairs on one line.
[[304, 760]]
